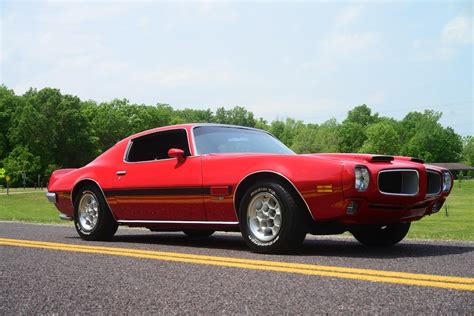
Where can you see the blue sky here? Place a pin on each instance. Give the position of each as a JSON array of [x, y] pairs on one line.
[[306, 60]]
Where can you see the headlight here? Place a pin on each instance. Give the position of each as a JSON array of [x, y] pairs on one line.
[[447, 181], [362, 178]]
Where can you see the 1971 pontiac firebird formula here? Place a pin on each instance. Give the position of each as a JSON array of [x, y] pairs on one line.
[[199, 178]]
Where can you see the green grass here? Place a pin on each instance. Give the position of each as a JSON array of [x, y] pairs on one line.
[[459, 224], [28, 207]]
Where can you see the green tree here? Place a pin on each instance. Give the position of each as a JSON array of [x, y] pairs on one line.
[[52, 127], [20, 161], [110, 123], [352, 132], [468, 150], [287, 130], [193, 116], [426, 138], [262, 124], [316, 139], [362, 115], [382, 138], [236, 116], [305, 140], [351, 137], [9, 103]]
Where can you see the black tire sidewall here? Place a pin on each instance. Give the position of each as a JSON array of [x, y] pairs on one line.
[[378, 237], [282, 240], [96, 232]]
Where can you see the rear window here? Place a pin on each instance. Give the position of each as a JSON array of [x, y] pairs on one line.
[[155, 146]]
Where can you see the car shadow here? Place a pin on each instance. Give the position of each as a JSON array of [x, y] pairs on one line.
[[353, 249], [179, 239], [311, 247]]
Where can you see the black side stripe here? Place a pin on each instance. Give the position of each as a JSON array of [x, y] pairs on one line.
[[163, 191]]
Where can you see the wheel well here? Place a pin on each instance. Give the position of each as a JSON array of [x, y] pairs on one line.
[[268, 176], [81, 184], [88, 182]]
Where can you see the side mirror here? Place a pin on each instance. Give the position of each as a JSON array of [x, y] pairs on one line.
[[176, 153]]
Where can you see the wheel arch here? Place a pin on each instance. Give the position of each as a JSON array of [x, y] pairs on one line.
[[253, 177], [85, 182]]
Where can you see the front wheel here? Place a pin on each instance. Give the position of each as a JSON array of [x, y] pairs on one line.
[[92, 217], [270, 219], [382, 235]]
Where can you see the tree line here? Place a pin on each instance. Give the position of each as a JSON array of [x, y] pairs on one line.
[[43, 130]]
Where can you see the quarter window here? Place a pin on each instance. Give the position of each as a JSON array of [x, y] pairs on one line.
[[155, 146]]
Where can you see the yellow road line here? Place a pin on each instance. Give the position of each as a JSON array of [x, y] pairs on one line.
[[448, 282], [262, 262]]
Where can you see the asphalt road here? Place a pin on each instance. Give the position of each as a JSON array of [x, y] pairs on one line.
[[37, 279]]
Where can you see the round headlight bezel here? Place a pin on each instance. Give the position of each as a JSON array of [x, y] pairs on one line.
[[447, 181], [361, 178]]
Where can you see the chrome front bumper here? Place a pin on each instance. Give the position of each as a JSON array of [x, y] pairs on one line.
[[51, 197]]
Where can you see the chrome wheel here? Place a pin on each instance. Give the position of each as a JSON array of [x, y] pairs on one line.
[[264, 216], [88, 212]]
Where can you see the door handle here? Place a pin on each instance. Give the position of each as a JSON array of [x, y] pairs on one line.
[[121, 173]]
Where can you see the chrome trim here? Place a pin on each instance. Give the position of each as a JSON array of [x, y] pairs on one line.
[[441, 186], [395, 170], [175, 222], [130, 142], [274, 172], [230, 126], [194, 140], [65, 217], [101, 191], [51, 196], [121, 173], [127, 149]]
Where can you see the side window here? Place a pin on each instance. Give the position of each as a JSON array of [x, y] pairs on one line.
[[155, 146]]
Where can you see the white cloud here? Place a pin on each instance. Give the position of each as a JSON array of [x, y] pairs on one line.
[[458, 30], [455, 34], [345, 40], [72, 48]]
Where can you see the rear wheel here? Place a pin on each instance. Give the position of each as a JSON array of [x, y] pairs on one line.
[[270, 219], [92, 217], [198, 233], [382, 235]]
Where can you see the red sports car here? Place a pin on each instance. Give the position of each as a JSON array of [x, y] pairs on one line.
[[199, 178]]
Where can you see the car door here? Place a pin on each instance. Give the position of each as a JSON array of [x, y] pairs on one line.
[[151, 186]]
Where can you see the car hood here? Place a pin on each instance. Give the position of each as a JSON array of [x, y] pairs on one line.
[[335, 157], [367, 158]]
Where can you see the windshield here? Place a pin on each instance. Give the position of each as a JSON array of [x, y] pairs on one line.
[[223, 139]]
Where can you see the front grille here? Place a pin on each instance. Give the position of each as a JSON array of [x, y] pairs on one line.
[[398, 182], [433, 185]]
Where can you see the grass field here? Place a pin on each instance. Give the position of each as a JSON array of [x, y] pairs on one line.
[[459, 224], [28, 207]]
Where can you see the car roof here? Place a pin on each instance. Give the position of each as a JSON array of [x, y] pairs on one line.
[[189, 126]]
